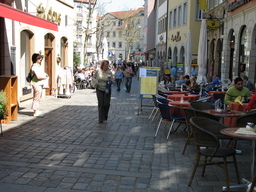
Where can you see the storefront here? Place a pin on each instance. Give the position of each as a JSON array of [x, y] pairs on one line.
[[239, 46], [38, 27]]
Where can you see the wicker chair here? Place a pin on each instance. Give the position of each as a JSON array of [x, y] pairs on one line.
[[208, 145], [200, 105], [243, 120]]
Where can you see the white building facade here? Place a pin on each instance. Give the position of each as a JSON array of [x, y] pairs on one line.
[[42, 27]]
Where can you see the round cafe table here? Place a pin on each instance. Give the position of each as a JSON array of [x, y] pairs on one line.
[[179, 112], [177, 97], [176, 92], [231, 132]]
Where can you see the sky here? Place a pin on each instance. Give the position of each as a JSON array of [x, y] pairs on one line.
[[121, 5]]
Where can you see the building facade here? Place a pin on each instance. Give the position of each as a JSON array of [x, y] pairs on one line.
[[124, 33], [183, 15], [42, 27], [85, 31]]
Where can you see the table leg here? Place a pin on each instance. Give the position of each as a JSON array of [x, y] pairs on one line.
[[253, 159]]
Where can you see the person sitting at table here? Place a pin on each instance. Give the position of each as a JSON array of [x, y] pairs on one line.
[[161, 85], [214, 83], [181, 81], [237, 90], [193, 87], [248, 83], [252, 104]]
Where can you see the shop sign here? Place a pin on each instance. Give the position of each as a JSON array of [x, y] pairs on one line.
[[213, 24], [49, 15], [236, 4], [176, 37]]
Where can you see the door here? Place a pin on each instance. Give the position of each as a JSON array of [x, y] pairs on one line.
[[48, 68]]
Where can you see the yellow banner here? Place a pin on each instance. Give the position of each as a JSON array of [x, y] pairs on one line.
[[153, 68], [203, 5]]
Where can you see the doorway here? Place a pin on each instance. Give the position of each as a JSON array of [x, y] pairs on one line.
[[48, 68]]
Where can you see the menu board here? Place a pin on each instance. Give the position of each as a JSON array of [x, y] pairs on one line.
[[148, 81]]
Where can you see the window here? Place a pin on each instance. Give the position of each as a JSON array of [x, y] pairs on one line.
[[114, 34], [199, 13], [114, 23], [114, 44], [185, 13], [179, 16], [174, 18], [120, 34], [170, 21], [120, 23], [120, 45], [108, 33]]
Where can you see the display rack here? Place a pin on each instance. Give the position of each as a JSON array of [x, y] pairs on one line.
[[9, 85]]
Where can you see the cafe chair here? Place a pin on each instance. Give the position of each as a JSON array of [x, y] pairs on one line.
[[244, 119], [189, 113], [162, 99], [208, 146], [155, 108], [200, 105], [166, 116]]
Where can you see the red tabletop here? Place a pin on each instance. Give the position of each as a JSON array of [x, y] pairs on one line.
[[176, 92], [179, 104], [177, 97], [212, 92], [231, 121]]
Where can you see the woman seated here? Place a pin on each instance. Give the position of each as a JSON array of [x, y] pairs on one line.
[[193, 87]]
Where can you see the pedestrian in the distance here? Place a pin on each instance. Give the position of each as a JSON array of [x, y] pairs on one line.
[[128, 77], [118, 77], [39, 79], [100, 81]]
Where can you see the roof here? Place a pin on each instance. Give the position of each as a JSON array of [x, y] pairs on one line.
[[125, 14]]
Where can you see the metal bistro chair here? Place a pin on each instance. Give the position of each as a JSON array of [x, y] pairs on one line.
[[189, 113], [155, 108], [166, 116], [208, 145]]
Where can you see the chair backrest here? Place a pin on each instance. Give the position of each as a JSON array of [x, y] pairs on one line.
[[201, 105], [199, 113], [203, 137], [189, 113], [164, 110], [162, 99], [243, 120]]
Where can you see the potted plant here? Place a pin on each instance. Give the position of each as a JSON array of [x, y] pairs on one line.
[[3, 104]]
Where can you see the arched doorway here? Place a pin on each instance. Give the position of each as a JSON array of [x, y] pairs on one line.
[[242, 52], [48, 53], [231, 56], [169, 57], [182, 55], [26, 42], [63, 51], [218, 55]]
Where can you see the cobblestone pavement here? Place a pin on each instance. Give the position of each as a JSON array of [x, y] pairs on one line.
[[67, 150]]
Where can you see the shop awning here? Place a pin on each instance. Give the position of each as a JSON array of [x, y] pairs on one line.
[[24, 17]]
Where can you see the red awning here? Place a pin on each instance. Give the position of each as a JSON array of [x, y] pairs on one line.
[[24, 17]]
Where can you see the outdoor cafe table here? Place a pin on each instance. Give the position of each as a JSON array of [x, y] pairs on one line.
[[231, 132], [231, 121], [179, 104], [224, 113], [176, 92], [177, 97], [212, 92]]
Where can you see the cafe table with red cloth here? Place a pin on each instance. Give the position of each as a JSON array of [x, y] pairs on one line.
[[176, 92], [189, 97], [179, 112], [231, 121], [212, 92]]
